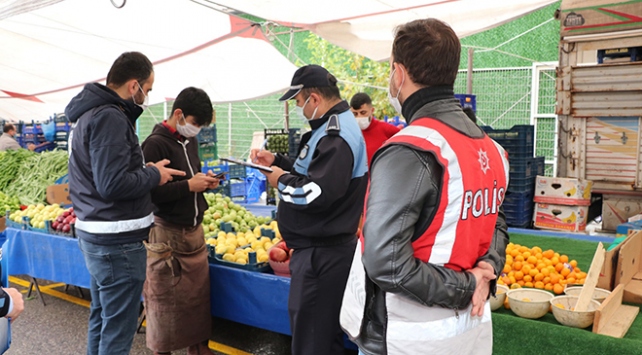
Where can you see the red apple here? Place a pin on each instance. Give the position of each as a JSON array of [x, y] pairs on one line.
[[66, 228], [278, 254], [54, 224]]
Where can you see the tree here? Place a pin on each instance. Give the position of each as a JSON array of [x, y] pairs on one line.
[[355, 73]]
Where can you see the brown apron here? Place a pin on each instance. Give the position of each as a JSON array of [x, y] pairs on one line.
[[177, 288]]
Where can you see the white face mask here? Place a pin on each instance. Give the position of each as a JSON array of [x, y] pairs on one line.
[[187, 130], [364, 122], [145, 103], [394, 101], [299, 111]]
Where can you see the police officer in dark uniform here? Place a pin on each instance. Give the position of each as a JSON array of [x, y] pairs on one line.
[[322, 192]]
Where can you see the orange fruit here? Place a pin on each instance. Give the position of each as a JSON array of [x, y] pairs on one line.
[[541, 265], [546, 271], [555, 278], [500, 281], [528, 284], [557, 289], [539, 256], [507, 268], [540, 285], [506, 304], [570, 280], [546, 280], [532, 260], [564, 271], [559, 267], [517, 265], [514, 286], [523, 249], [533, 272], [519, 275], [548, 262], [548, 254], [573, 263], [537, 249], [527, 278], [519, 258], [581, 275], [514, 253], [539, 277], [512, 280], [520, 282], [555, 260], [526, 269], [509, 259], [564, 258], [506, 280], [526, 254], [580, 281], [576, 270], [548, 287], [556, 255]]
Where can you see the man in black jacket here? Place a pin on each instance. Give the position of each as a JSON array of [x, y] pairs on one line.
[[109, 187], [434, 236], [322, 192], [177, 289]]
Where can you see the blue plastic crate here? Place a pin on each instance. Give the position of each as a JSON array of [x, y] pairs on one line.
[[254, 188], [62, 127], [519, 223], [522, 184], [207, 135], [237, 189], [31, 128], [519, 198], [518, 140], [526, 167], [294, 139], [519, 214], [467, 101], [540, 165], [237, 171]]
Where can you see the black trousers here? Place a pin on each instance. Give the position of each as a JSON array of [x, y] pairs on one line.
[[318, 279]]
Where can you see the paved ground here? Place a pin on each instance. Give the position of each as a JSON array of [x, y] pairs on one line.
[[60, 328]]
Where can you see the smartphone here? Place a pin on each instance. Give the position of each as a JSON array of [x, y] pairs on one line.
[[221, 175]]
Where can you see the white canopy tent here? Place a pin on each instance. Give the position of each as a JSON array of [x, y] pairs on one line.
[[51, 48], [366, 26], [49, 53]]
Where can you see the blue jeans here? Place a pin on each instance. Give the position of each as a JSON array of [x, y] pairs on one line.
[[117, 278]]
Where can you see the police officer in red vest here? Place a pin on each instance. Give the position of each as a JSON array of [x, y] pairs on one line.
[[433, 241]]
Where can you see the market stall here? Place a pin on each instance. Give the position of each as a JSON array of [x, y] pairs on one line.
[[260, 299]]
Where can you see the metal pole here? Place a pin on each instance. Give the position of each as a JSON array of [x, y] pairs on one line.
[[229, 130], [287, 116], [469, 73]]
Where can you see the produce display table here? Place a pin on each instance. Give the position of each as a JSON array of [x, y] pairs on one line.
[[260, 300]]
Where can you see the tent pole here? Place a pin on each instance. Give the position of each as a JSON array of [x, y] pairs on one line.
[[469, 73], [229, 130], [287, 116]]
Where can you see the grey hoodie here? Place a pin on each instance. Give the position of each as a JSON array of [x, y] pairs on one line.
[[108, 181]]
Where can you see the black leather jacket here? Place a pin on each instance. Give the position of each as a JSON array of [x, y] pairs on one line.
[[399, 173]]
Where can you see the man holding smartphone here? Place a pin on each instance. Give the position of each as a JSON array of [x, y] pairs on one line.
[[177, 289]]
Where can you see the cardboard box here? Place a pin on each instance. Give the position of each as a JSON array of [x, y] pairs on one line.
[[560, 217], [598, 16], [563, 191], [616, 210], [58, 194]]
